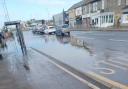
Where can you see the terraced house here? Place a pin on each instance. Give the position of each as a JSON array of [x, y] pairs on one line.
[[98, 13], [105, 13], [75, 14]]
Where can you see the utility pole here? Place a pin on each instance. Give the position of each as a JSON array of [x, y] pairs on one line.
[[6, 13]]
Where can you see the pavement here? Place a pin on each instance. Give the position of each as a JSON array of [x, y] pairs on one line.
[[101, 29]]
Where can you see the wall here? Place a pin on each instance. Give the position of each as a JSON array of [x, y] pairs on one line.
[[78, 11], [71, 18]]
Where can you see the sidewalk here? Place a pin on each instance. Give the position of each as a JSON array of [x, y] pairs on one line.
[[101, 29]]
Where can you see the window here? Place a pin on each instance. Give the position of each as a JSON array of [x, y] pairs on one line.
[[93, 22], [96, 21], [102, 19], [90, 8], [95, 6], [103, 4], [119, 2], [110, 18], [126, 2], [106, 19], [84, 10]]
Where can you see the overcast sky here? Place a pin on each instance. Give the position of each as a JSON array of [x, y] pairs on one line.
[[38, 9]]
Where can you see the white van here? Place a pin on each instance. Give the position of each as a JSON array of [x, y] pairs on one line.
[[50, 30]]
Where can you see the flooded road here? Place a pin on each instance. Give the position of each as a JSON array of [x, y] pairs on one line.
[[103, 53], [42, 74]]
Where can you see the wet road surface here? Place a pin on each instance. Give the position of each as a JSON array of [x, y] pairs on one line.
[[42, 75], [104, 53]]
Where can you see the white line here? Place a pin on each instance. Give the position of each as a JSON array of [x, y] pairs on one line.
[[74, 75], [103, 34], [118, 62], [122, 59], [114, 65], [102, 70], [118, 40], [86, 37]]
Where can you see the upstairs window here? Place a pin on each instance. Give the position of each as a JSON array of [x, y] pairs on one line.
[[84, 9], [119, 2], [103, 4], [126, 2], [95, 6]]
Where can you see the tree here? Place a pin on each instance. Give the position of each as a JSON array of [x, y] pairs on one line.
[[29, 23]]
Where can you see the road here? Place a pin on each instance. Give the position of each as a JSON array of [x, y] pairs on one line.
[[100, 53], [43, 73], [84, 60]]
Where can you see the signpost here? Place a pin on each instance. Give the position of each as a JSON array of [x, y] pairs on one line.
[[19, 35], [20, 39]]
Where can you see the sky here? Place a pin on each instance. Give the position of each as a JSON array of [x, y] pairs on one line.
[[34, 9]]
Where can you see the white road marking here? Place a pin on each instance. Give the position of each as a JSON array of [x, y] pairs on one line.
[[118, 62], [104, 71], [118, 40], [122, 59], [86, 38], [103, 34], [117, 66], [74, 75], [110, 64]]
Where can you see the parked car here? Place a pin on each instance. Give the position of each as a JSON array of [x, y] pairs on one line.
[[38, 30], [50, 30], [64, 30]]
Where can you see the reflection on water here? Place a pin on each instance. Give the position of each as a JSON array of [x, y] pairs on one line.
[[63, 40], [81, 44], [75, 42]]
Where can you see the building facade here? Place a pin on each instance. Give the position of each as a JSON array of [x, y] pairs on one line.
[[105, 13], [97, 13], [71, 18], [75, 15]]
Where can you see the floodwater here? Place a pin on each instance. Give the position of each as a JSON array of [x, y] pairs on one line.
[[98, 53]]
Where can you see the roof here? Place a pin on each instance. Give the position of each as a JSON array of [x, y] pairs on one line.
[[91, 1], [79, 4]]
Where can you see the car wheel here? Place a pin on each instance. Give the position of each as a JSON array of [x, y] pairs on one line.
[[68, 33], [62, 34]]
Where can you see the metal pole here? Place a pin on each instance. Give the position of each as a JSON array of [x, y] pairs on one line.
[[21, 40]]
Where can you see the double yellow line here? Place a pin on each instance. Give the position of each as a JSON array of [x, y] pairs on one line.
[[107, 82]]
